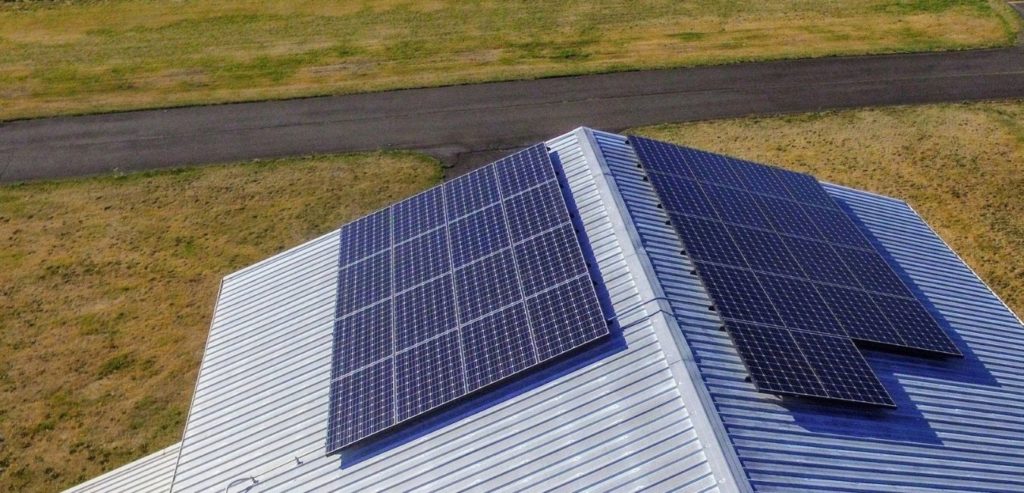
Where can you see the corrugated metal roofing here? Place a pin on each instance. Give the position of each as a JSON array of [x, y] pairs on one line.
[[152, 473], [960, 423], [260, 404], [672, 412]]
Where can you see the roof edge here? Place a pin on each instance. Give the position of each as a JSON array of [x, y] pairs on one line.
[[721, 454]]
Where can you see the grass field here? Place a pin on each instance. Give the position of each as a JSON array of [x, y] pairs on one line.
[[86, 56], [961, 166], [107, 286]]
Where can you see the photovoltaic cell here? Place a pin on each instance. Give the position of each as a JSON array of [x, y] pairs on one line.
[[861, 318], [872, 272], [820, 262], [792, 276], [460, 288], [364, 282], [787, 217], [799, 305], [805, 189], [836, 227], [518, 172]]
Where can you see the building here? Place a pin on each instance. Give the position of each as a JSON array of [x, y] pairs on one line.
[[675, 407]]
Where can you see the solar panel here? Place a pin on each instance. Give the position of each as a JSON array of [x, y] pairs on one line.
[[457, 289], [794, 279]]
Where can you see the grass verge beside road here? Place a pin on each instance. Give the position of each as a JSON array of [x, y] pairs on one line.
[[89, 56], [961, 166], [107, 285]]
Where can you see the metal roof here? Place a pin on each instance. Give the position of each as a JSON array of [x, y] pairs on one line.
[[260, 404], [151, 473], [671, 412], [959, 425]]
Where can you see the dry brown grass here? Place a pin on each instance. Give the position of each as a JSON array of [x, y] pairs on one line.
[[960, 166], [85, 56], [107, 286]]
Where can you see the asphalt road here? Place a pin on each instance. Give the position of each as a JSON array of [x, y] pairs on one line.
[[472, 124]]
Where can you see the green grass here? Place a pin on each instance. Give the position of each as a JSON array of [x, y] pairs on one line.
[[107, 285], [961, 166], [87, 56]]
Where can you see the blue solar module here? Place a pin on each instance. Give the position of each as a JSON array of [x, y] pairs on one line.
[[365, 237], [481, 233], [915, 325], [808, 276], [799, 305], [487, 285], [683, 196], [841, 369], [523, 170], [471, 192], [762, 179], [424, 312], [836, 227], [497, 346], [787, 217], [873, 273], [362, 403], [418, 215], [773, 359], [709, 241], [736, 206], [482, 280], [421, 258], [535, 210], [860, 316], [765, 251], [549, 258], [561, 322], [805, 189], [820, 262], [429, 375], [366, 335], [364, 282], [737, 294], [712, 168]]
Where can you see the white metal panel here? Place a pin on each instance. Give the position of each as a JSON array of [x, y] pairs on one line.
[[151, 473], [260, 407]]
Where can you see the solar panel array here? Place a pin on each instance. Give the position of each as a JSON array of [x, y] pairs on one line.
[[792, 277], [453, 290]]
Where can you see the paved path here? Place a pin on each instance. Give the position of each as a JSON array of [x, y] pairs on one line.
[[471, 124]]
